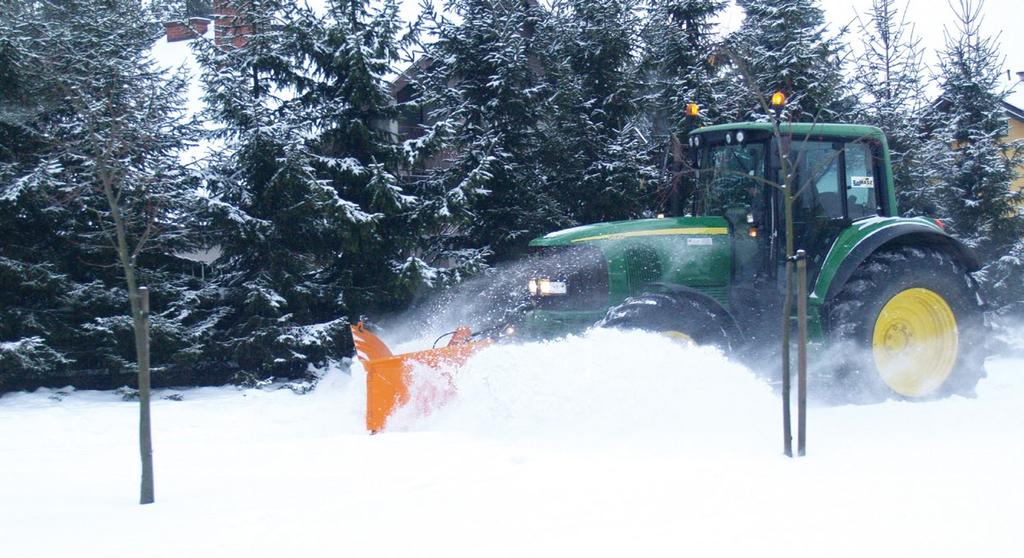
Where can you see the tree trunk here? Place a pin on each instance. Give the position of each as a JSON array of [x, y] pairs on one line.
[[139, 300], [787, 305], [141, 323]]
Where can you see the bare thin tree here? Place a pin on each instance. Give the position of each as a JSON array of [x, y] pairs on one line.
[[115, 155]]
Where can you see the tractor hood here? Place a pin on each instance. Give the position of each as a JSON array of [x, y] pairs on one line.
[[617, 230], [601, 265]]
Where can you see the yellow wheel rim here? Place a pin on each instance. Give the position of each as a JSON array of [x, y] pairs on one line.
[[915, 342], [679, 337]]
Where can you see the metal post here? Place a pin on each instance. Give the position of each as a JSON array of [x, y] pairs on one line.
[[801, 310]]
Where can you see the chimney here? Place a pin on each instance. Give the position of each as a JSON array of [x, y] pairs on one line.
[[229, 27], [181, 31], [1020, 76]]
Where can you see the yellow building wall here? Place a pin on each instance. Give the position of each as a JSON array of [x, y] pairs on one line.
[[1016, 132]]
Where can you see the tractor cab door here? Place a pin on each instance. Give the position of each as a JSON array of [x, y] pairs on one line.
[[834, 184], [731, 183], [818, 214]]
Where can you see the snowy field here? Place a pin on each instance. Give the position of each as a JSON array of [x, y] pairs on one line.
[[612, 444]]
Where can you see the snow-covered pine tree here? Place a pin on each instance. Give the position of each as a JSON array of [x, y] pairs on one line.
[[304, 199], [85, 113], [975, 166], [889, 76], [680, 48], [595, 139], [356, 48], [481, 86], [782, 45], [25, 349]]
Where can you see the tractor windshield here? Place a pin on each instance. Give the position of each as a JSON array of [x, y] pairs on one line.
[[729, 176]]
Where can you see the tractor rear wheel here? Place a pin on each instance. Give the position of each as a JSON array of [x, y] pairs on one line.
[[679, 318], [910, 323]]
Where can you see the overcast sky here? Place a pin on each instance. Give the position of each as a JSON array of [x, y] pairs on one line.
[[1004, 18]]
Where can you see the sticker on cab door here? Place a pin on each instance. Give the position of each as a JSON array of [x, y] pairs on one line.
[[699, 241], [862, 182]]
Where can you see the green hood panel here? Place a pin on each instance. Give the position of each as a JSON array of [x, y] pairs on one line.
[[690, 251], [618, 230]]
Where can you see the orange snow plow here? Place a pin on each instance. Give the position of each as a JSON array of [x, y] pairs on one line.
[[389, 376]]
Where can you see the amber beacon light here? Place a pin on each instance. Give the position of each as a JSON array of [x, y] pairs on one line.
[[778, 99], [692, 110]]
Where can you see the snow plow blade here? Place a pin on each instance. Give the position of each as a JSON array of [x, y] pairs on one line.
[[389, 376]]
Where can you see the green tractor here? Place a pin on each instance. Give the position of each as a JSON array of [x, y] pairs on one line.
[[891, 299]]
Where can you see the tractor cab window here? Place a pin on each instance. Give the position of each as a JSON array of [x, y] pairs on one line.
[[860, 181], [729, 177], [817, 180], [731, 184], [830, 176], [818, 214]]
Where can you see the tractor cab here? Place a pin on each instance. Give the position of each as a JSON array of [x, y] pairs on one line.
[[838, 174]]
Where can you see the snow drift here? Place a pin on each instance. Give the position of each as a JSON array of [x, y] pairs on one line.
[[604, 384]]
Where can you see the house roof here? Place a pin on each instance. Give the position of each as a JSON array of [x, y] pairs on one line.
[[1012, 104], [403, 79], [1013, 111]]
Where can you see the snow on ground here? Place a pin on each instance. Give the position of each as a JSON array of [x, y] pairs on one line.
[[608, 444]]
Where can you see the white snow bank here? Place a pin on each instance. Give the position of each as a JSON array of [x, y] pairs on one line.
[[609, 385], [609, 444]]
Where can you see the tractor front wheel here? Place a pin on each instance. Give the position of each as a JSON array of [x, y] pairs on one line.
[[910, 324], [679, 318]]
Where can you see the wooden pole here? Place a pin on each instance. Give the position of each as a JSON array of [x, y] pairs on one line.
[[787, 304], [145, 431], [787, 429], [801, 362]]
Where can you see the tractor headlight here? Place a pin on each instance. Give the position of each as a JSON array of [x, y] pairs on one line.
[[546, 287]]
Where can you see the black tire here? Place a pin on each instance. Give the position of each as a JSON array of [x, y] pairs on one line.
[[853, 317], [663, 313]]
